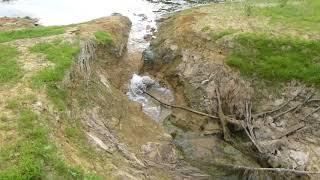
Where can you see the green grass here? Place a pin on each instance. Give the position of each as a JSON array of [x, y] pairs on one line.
[[9, 67], [277, 59], [61, 54], [10, 35], [33, 156], [103, 37], [303, 14]]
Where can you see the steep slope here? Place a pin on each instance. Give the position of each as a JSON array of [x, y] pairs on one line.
[[63, 112]]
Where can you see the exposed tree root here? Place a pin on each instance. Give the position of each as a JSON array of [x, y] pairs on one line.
[[228, 119], [249, 131], [316, 110], [223, 118], [277, 109], [247, 124], [295, 108], [291, 130]]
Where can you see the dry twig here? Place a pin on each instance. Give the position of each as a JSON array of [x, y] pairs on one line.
[[291, 130], [316, 110], [249, 131], [277, 109], [223, 118], [295, 108]]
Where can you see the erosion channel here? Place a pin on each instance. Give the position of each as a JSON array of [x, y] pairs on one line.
[[158, 89]]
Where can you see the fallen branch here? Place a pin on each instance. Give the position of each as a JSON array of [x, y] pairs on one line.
[[289, 110], [229, 120], [295, 108], [249, 131], [249, 119], [313, 100], [277, 109], [181, 107], [304, 102], [252, 140], [290, 130], [316, 110]]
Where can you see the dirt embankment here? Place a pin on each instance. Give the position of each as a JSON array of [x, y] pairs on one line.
[[190, 54], [137, 147], [99, 130]]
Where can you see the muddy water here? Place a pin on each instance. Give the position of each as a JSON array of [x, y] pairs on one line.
[[142, 13]]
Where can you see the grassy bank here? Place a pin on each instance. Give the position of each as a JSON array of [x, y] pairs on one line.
[[61, 54], [278, 55], [10, 35]]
